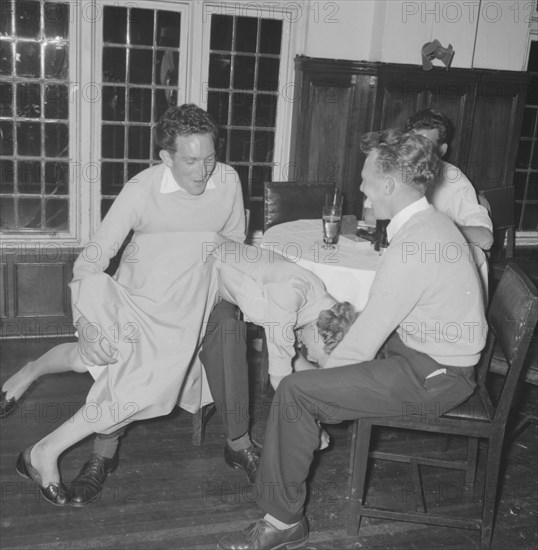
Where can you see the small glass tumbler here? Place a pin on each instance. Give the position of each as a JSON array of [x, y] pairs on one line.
[[332, 218]]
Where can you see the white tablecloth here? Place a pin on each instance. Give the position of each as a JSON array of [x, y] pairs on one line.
[[347, 271]]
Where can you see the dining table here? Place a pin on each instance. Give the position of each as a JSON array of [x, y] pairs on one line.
[[347, 269]]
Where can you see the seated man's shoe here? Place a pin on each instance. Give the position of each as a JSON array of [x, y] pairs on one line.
[[55, 493], [87, 486], [264, 536], [7, 406], [245, 459]]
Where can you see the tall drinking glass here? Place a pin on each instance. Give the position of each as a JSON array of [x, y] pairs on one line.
[[332, 218]]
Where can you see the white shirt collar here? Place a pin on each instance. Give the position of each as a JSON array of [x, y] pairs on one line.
[[404, 215], [170, 185]]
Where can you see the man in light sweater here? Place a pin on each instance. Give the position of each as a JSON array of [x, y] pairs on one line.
[[425, 312]]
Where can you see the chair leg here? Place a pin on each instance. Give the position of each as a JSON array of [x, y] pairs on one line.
[[360, 448], [491, 484], [472, 456]]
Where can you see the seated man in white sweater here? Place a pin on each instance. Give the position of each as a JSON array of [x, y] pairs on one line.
[[453, 193], [425, 309]]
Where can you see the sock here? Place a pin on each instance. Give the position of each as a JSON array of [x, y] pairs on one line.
[[106, 445], [240, 443], [280, 525]]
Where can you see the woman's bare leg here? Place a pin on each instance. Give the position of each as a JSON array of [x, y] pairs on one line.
[[44, 454], [61, 358]]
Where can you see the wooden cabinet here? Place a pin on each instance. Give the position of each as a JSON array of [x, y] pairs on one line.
[[340, 100], [336, 106]]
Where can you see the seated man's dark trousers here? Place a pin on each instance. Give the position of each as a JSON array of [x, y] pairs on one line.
[[393, 386], [224, 356]]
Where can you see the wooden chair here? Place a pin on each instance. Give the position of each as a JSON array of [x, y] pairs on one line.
[[290, 201], [512, 318]]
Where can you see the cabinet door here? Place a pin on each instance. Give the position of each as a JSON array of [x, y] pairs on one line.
[[335, 109], [493, 142]]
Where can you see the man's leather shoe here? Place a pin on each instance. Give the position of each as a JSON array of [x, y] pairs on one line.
[[7, 406], [55, 493], [87, 486], [264, 536], [245, 459]]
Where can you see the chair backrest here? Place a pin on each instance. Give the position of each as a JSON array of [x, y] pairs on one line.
[[290, 201], [512, 318]]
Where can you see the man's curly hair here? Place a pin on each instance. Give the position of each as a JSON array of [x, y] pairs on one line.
[[185, 120], [410, 156], [334, 323]]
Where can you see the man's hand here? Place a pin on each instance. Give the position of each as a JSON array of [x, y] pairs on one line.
[[93, 347]]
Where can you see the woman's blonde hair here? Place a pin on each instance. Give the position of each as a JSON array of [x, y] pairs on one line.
[[334, 323]]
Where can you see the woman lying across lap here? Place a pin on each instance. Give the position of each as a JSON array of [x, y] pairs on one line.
[[290, 302]]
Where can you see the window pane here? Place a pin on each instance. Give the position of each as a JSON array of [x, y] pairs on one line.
[[140, 104], [6, 100], [6, 58], [266, 110], [242, 109], [112, 141], [56, 61], [239, 145], [29, 213], [529, 120], [113, 106], [114, 25], [217, 106], [139, 142], [221, 32], [271, 36], [114, 65], [56, 98], [29, 100], [268, 74], [56, 20], [56, 140], [27, 18], [29, 177], [263, 146], [112, 178], [141, 64], [57, 178], [6, 133], [168, 29], [141, 26], [7, 213], [246, 32], [7, 177], [219, 71], [29, 138], [56, 214], [28, 59], [244, 72]]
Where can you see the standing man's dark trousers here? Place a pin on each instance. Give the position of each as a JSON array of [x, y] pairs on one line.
[[224, 356], [393, 386]]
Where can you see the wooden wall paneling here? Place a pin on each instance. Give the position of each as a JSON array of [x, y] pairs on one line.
[[3, 291], [497, 119], [36, 285]]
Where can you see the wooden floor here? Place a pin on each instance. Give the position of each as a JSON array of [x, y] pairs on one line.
[[169, 494]]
